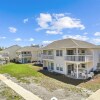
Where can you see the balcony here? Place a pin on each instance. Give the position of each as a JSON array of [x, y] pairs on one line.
[[79, 58], [24, 55], [48, 57]]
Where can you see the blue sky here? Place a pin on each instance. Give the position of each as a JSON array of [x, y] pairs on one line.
[[26, 22]]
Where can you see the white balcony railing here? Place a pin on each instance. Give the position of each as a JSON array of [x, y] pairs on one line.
[[81, 58], [24, 55], [48, 57]]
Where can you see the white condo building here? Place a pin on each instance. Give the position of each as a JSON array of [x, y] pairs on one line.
[[73, 58]]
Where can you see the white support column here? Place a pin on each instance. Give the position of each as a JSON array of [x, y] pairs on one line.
[[77, 71], [66, 70], [87, 66], [77, 54], [76, 51], [22, 60], [43, 63]]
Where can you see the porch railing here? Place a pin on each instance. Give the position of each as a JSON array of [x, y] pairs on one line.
[[48, 57], [84, 58], [24, 55]]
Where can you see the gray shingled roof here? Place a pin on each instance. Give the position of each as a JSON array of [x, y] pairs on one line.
[[28, 48], [69, 43], [11, 48]]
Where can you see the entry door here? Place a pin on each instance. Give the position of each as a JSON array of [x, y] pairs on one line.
[[52, 66], [25, 60], [70, 68]]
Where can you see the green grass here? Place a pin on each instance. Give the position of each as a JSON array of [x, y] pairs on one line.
[[24, 71], [20, 70]]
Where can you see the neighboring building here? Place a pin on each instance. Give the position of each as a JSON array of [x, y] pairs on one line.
[[73, 58], [27, 54], [4, 57], [10, 52]]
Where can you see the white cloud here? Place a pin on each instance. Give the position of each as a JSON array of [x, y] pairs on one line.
[[53, 32], [79, 37], [58, 22], [31, 39], [47, 42], [96, 40], [12, 29], [43, 20], [97, 34], [85, 33], [67, 22], [18, 39], [3, 37], [25, 20]]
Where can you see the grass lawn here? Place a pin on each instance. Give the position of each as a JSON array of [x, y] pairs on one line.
[[46, 79], [20, 70], [32, 75]]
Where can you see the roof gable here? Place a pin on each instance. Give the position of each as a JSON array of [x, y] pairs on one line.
[[69, 43]]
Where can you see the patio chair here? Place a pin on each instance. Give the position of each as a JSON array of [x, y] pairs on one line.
[[90, 75], [83, 75], [72, 73]]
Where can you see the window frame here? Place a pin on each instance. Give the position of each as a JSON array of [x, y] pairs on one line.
[[59, 53]]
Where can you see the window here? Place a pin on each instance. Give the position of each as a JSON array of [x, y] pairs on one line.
[[70, 52], [82, 51], [49, 52], [83, 65], [28, 52], [57, 68], [44, 52], [61, 68], [24, 52], [59, 53], [52, 66]]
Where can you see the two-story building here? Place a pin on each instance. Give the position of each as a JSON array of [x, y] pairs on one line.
[[27, 54], [73, 58], [9, 53]]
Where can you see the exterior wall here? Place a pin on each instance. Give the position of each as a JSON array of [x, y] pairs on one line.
[[40, 56], [34, 56], [24, 60], [12, 51], [59, 61], [96, 54]]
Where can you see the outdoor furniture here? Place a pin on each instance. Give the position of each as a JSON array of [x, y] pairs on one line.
[[72, 73], [83, 75], [90, 75]]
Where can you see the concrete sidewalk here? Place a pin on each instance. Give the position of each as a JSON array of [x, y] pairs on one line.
[[94, 96], [27, 95]]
